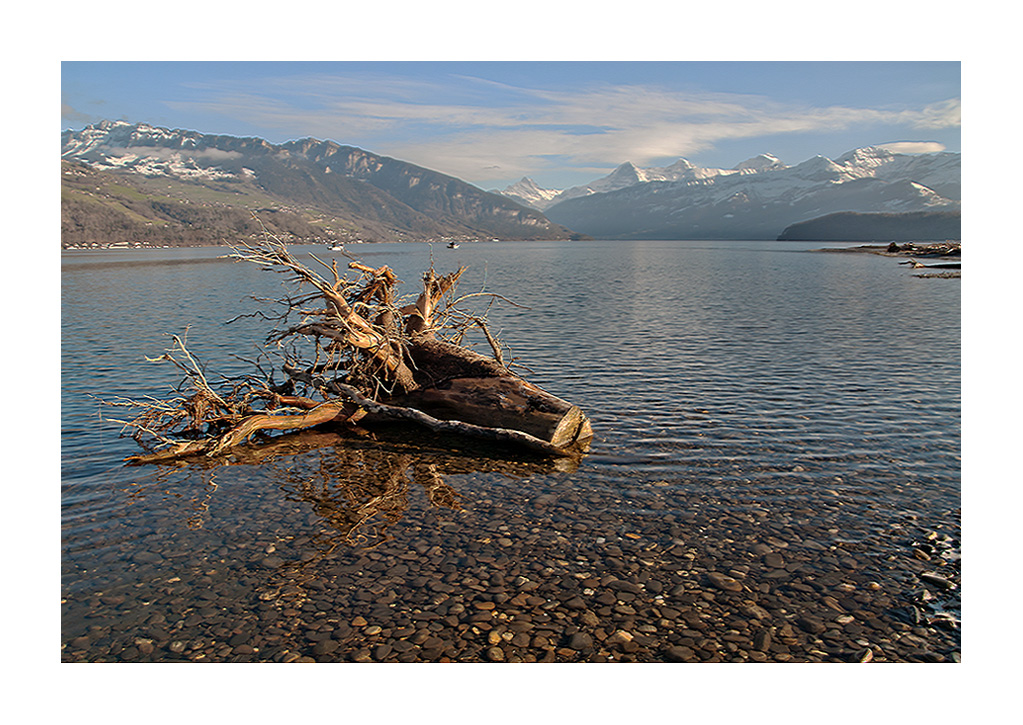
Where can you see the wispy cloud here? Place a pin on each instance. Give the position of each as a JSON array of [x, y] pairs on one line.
[[913, 147], [73, 115], [470, 127]]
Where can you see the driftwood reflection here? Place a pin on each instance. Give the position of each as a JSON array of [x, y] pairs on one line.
[[360, 487]]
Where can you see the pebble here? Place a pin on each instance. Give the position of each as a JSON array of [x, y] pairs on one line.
[[528, 576], [721, 581], [677, 653], [581, 642], [811, 624], [937, 580]]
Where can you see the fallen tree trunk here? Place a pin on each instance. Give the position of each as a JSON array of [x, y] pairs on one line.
[[502, 402], [472, 420], [373, 359]]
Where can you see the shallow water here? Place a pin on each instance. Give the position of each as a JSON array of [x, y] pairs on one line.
[[781, 416]]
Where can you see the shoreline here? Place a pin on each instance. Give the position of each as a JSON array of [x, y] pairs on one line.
[[946, 254], [907, 249]]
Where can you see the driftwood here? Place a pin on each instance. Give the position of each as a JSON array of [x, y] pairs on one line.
[[354, 354]]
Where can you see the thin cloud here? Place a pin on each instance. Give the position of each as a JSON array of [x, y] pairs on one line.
[[461, 129], [69, 113], [913, 147]]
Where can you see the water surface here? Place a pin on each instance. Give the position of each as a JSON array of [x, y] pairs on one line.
[[783, 417]]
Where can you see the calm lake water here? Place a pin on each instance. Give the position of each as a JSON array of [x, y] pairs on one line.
[[775, 473]]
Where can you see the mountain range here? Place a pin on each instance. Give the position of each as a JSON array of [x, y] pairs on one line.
[[124, 182], [168, 186], [756, 199]]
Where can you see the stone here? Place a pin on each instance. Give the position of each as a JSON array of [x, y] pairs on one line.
[[811, 625], [724, 582], [625, 586], [936, 579], [325, 647], [620, 637], [832, 603], [580, 642], [678, 653], [757, 612]]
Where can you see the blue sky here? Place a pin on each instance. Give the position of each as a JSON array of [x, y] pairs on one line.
[[560, 123]]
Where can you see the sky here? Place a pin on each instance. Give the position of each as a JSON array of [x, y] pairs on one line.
[[561, 123]]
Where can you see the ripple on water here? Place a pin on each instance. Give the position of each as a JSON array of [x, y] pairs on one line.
[[741, 395]]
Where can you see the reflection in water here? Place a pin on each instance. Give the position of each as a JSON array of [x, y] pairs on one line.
[[357, 487], [767, 416]]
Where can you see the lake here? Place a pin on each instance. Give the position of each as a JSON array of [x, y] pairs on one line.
[[775, 472]]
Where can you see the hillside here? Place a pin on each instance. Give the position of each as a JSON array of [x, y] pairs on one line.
[[856, 227], [101, 207], [134, 182]]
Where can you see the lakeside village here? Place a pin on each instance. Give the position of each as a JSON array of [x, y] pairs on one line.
[[450, 242]]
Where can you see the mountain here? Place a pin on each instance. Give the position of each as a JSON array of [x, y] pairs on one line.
[[759, 198], [919, 226], [760, 162], [528, 193], [175, 184], [626, 175]]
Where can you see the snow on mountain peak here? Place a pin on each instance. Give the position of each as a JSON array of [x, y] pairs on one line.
[[680, 165], [528, 192], [760, 162], [866, 157]]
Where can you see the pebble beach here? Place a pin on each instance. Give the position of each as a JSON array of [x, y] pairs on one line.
[[427, 560]]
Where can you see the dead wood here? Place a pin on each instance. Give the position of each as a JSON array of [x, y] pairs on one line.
[[355, 352]]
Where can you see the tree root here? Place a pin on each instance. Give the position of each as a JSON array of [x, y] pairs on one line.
[[395, 365]]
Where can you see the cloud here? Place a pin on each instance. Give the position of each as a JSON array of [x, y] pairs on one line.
[[166, 154], [467, 126], [68, 113], [912, 147]]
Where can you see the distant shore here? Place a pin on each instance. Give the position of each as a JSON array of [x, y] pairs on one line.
[[906, 249], [946, 256]]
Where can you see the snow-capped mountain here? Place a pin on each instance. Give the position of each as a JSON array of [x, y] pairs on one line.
[[357, 194], [528, 192], [760, 162], [628, 174], [151, 150], [370, 196], [758, 198]]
